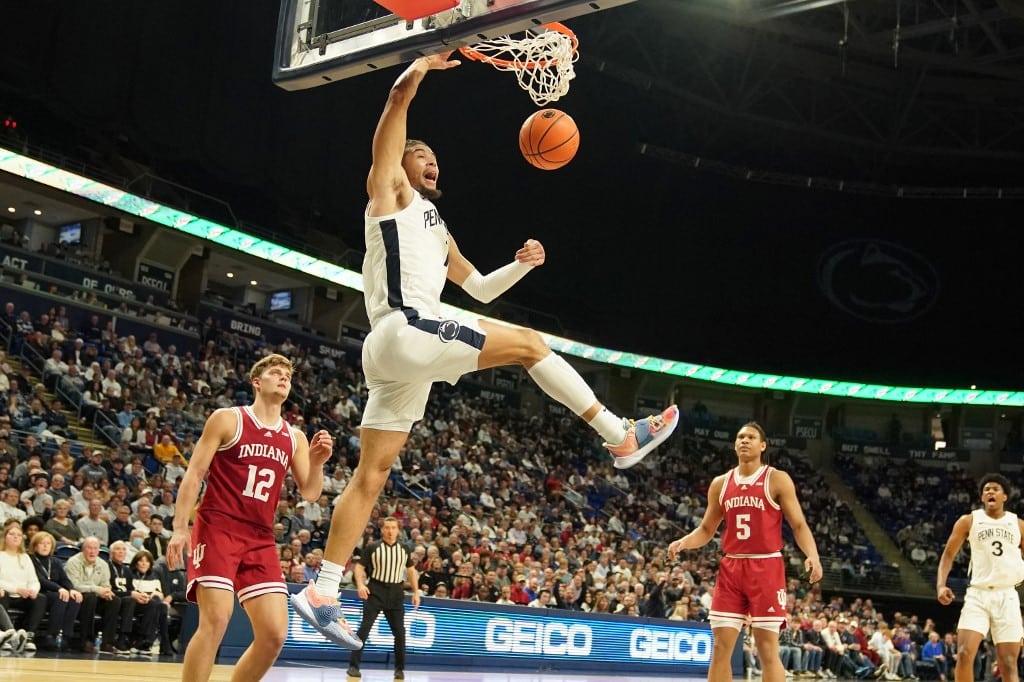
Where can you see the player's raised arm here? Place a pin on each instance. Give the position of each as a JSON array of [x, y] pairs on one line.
[[386, 175], [220, 428]]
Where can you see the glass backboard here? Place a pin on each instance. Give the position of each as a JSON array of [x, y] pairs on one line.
[[320, 41]]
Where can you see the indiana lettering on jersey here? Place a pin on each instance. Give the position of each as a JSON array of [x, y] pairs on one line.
[[431, 218], [743, 501], [263, 450]]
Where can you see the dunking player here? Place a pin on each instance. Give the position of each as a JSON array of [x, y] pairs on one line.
[[247, 452], [752, 498], [409, 255], [991, 602]]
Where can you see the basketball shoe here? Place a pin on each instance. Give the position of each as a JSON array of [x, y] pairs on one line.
[[642, 436], [324, 614]]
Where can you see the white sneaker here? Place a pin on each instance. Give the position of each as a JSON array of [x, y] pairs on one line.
[[18, 641], [324, 614], [6, 637], [29, 644]]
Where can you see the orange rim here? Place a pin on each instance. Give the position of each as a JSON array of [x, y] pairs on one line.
[[471, 52]]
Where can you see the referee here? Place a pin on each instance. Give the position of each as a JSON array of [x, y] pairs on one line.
[[383, 568]]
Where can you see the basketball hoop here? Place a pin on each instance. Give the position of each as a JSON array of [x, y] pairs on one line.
[[542, 60]]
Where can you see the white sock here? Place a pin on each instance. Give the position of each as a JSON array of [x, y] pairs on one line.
[[609, 426], [328, 581], [560, 381]]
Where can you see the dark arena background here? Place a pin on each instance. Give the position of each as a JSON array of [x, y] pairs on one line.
[[803, 212]]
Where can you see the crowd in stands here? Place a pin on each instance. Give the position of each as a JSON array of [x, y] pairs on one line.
[[858, 641], [916, 506], [498, 505]]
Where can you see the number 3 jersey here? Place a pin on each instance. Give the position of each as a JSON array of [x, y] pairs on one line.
[[995, 550], [753, 520], [244, 481]]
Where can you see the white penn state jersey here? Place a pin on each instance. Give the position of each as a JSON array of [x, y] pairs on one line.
[[995, 550], [406, 261]]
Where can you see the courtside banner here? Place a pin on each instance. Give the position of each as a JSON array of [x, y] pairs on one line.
[[445, 632]]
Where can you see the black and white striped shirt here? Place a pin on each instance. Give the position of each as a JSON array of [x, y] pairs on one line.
[[386, 563]]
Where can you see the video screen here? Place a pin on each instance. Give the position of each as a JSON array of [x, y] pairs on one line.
[[71, 234], [280, 300]]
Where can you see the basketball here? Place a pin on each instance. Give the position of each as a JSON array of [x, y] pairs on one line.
[[549, 139]]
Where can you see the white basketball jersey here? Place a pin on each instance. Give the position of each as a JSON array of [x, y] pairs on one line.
[[995, 550], [406, 261]]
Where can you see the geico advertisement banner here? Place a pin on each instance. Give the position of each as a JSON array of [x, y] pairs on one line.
[[509, 634]]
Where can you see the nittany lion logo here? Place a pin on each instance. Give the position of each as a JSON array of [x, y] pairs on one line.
[[448, 331], [878, 281]]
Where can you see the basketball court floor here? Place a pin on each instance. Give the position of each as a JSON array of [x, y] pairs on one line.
[[42, 669]]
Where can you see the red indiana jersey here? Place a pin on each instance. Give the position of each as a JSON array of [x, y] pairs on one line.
[[244, 481], [753, 520]]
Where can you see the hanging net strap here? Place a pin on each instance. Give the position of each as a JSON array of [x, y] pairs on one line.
[[542, 60]]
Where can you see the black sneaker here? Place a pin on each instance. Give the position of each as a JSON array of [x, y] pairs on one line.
[[122, 647], [354, 671], [399, 675]]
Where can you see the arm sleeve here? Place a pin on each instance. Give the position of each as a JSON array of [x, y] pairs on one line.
[[487, 288]]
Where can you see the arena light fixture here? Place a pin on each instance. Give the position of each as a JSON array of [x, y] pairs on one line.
[[51, 176]]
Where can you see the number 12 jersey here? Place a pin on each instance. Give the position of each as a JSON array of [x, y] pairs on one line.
[[245, 477]]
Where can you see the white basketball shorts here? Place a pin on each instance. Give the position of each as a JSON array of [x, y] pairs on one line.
[[996, 609], [403, 355]]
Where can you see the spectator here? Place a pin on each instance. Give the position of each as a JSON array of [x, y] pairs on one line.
[[173, 583], [156, 542], [165, 450], [93, 470], [61, 526], [136, 542], [54, 368], [166, 507], [126, 597], [63, 601], [150, 603], [543, 600], [90, 575], [934, 653], [175, 471], [38, 495], [105, 420], [300, 522], [58, 491], [19, 586], [10, 506], [93, 524], [791, 649], [121, 527]]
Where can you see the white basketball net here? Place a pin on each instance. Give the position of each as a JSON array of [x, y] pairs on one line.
[[541, 61]]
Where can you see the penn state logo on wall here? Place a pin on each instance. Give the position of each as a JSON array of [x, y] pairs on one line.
[[448, 331], [878, 281]]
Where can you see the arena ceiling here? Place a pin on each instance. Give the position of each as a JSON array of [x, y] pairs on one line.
[[805, 186]]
